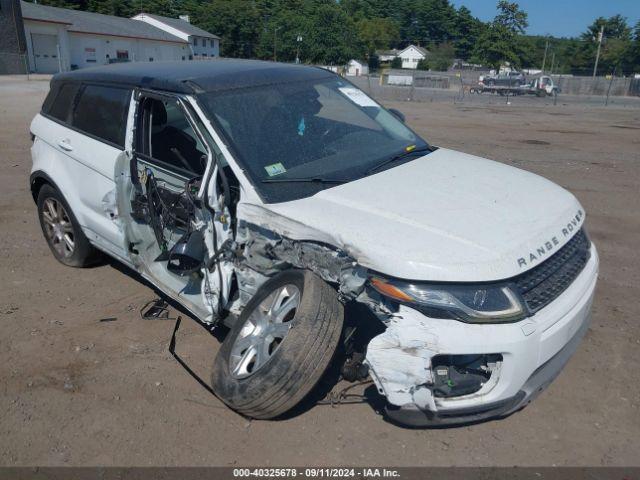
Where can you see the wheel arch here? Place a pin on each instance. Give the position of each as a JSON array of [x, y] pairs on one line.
[[37, 180]]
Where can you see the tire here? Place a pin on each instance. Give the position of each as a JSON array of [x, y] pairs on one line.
[[297, 362], [61, 230]]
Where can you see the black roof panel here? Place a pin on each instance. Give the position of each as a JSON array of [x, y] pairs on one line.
[[196, 76]]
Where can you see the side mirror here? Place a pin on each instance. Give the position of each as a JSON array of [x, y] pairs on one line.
[[398, 114], [187, 255]]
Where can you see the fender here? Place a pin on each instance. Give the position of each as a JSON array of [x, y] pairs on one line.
[[37, 179]]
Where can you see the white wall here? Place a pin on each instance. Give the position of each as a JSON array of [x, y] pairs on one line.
[[106, 48], [62, 39], [355, 68], [410, 57], [198, 50], [204, 48]]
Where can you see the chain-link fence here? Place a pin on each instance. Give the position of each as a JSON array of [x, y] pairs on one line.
[[421, 86]]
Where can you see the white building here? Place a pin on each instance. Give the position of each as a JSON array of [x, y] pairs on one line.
[[355, 68], [412, 55], [203, 43], [60, 39], [385, 56]]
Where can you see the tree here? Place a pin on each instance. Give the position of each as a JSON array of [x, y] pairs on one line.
[[441, 57], [71, 4], [280, 33], [236, 21], [378, 33], [332, 36], [396, 62], [468, 29], [511, 17], [120, 8], [499, 42], [617, 46], [635, 49], [423, 64]]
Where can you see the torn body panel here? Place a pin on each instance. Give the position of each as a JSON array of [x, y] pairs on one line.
[[262, 252], [521, 357]]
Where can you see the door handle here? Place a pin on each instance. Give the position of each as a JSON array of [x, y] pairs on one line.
[[64, 144]]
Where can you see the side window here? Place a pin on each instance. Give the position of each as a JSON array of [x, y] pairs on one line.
[[102, 111], [61, 104], [172, 141]]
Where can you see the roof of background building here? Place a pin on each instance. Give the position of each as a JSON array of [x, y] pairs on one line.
[[97, 23], [197, 76], [387, 52], [423, 51], [181, 25]]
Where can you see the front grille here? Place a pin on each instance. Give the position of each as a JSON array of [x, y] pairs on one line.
[[543, 284]]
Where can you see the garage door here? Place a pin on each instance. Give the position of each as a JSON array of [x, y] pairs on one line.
[[45, 52]]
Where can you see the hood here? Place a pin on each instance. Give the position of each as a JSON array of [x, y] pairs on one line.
[[446, 216]]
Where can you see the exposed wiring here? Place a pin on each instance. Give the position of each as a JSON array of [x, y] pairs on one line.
[[342, 397]]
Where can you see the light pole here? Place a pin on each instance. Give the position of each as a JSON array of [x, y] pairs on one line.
[[275, 37], [595, 66], [298, 40]]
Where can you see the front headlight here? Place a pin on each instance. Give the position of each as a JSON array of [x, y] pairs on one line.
[[468, 303]]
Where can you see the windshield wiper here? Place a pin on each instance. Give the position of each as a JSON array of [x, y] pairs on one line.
[[400, 156], [336, 181]]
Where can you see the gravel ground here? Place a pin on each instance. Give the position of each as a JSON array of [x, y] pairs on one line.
[[78, 391]]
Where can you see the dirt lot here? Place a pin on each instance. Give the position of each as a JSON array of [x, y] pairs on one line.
[[77, 391]]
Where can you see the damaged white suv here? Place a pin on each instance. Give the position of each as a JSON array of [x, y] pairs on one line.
[[274, 198]]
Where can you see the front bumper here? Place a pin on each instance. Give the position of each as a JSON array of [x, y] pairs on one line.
[[534, 352]]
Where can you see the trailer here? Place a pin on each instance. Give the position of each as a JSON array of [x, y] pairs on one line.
[[541, 87]]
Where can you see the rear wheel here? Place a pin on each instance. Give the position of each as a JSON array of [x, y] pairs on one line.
[[280, 346], [61, 230]]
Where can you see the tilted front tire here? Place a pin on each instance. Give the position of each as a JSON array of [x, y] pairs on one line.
[[280, 346]]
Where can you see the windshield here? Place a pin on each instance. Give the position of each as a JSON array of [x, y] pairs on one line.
[[294, 139]]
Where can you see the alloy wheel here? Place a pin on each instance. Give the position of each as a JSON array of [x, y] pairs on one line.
[[263, 332], [58, 227]]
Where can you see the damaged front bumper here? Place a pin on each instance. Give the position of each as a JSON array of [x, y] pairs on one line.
[[532, 353]]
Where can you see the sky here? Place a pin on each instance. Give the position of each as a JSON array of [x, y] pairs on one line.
[[560, 18]]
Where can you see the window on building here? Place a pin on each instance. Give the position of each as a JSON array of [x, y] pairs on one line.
[[204, 54], [123, 55], [195, 41], [102, 112], [151, 59], [61, 101]]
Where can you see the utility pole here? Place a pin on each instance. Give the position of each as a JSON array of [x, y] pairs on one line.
[[275, 37], [553, 60], [544, 59], [595, 67], [298, 40]]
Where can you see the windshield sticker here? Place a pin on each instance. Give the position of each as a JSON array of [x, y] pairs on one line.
[[358, 97], [301, 127], [275, 169]]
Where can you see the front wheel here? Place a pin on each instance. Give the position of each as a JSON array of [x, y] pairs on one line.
[[280, 345]]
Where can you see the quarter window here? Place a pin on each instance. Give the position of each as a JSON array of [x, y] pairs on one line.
[[102, 112], [61, 105]]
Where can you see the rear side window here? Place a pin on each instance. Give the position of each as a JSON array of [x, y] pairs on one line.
[[61, 103], [102, 112]]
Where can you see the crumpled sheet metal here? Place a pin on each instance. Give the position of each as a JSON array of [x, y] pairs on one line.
[[400, 360]]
